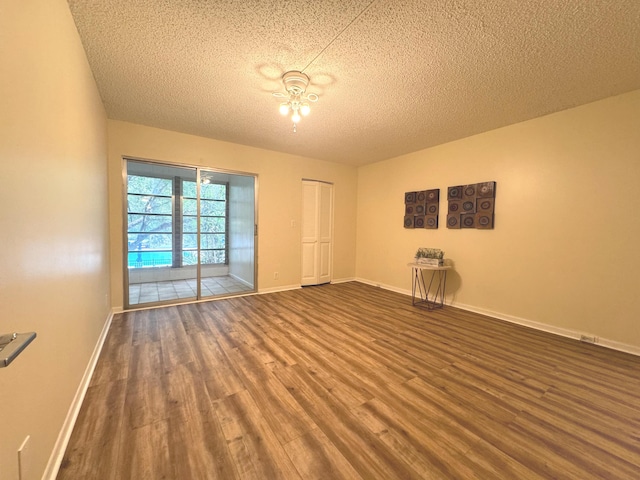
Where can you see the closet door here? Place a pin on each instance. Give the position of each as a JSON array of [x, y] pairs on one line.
[[317, 226]]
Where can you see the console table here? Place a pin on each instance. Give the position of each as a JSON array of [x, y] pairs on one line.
[[430, 289]]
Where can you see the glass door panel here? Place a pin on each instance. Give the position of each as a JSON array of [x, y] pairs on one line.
[[156, 270], [227, 228]]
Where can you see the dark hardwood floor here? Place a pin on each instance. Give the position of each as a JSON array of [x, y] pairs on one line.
[[350, 381]]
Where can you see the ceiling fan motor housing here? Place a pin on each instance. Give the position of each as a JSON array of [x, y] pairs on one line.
[[295, 82]]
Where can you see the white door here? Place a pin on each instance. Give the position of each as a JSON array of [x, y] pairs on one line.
[[317, 225]]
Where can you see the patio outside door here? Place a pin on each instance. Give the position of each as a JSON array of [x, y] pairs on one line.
[[190, 233]]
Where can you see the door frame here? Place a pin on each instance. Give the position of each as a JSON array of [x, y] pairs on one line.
[[125, 260], [331, 228]]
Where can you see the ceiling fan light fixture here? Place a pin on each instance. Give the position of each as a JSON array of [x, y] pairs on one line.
[[296, 83]]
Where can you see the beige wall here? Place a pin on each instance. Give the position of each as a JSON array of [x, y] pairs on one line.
[[279, 191], [53, 222], [564, 251]]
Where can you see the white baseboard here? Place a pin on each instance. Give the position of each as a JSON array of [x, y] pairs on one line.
[[622, 347], [62, 441], [296, 287], [241, 280], [343, 280], [278, 289], [545, 327], [564, 332], [384, 286]]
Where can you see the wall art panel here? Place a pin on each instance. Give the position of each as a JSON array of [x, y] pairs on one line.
[[421, 209], [471, 206]]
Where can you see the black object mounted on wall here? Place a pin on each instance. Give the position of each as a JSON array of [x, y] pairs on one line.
[[421, 209], [471, 206]]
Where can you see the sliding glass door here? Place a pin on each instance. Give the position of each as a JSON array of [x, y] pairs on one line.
[[190, 233]]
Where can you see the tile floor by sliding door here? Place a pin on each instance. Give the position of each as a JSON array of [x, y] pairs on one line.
[[190, 233]]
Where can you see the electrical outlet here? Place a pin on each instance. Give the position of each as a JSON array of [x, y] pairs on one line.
[[588, 339], [25, 471], [276, 275]]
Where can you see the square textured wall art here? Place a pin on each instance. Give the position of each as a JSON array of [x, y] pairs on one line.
[[421, 209], [471, 206]]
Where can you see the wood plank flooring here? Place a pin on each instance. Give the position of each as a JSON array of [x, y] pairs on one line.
[[350, 381]]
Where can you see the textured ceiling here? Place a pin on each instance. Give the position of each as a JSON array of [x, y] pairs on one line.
[[393, 76]]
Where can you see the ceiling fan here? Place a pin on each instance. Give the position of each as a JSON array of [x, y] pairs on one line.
[[297, 103]]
